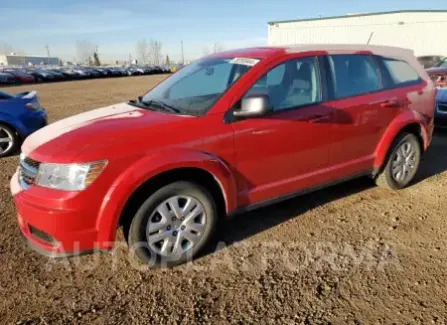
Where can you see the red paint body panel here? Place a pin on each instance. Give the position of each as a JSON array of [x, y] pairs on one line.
[[252, 160]]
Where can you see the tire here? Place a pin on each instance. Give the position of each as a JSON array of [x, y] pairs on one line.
[[142, 238], [398, 150], [8, 132]]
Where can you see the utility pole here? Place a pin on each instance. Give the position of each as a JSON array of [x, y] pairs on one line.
[[48, 53], [183, 57]]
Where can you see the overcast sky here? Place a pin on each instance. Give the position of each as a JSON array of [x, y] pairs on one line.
[[116, 26]]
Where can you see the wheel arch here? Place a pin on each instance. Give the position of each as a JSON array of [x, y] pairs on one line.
[[9, 121], [127, 191], [382, 152], [195, 175]]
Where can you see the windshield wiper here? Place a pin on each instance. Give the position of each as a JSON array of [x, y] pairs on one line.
[[161, 105], [158, 105]]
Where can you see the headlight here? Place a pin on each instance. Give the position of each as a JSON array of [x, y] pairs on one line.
[[69, 177]]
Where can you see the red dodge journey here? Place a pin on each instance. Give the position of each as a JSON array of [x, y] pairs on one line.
[[228, 133]]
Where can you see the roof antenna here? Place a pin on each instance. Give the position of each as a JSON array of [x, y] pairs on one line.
[[369, 39]]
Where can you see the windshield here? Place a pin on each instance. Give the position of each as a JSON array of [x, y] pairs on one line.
[[442, 64], [194, 89]]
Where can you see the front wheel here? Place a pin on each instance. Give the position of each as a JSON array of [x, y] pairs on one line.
[[402, 164], [173, 225]]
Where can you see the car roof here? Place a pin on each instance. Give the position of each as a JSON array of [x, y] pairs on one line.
[[268, 51]]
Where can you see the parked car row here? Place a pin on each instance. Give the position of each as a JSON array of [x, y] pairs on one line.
[[438, 74], [28, 75], [430, 61]]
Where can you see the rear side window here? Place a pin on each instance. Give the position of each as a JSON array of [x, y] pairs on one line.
[[353, 75], [401, 72]]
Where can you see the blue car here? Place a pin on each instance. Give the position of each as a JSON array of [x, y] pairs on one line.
[[441, 108], [20, 115]]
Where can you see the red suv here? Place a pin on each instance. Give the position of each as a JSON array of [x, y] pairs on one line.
[[227, 133]]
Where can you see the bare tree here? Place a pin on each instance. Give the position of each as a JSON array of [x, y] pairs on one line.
[[84, 51], [142, 51], [155, 54], [217, 47]]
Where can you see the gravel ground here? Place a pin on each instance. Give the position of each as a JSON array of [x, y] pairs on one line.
[[351, 254]]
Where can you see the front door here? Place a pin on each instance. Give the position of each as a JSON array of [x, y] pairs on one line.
[[287, 150]]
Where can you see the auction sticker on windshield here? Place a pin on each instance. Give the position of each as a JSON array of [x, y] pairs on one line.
[[245, 61]]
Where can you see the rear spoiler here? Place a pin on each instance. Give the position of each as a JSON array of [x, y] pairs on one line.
[[27, 94]]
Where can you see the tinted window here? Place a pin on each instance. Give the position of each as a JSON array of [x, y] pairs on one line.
[[401, 72], [291, 84], [353, 75]]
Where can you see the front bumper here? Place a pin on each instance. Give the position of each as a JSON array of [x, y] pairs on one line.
[[56, 223]]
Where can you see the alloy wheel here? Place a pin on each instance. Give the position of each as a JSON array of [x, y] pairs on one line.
[[176, 226], [404, 162]]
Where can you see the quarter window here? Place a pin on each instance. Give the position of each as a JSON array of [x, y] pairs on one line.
[[291, 84], [353, 75], [400, 71]]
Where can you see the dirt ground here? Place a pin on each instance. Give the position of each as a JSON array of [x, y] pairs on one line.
[[351, 254]]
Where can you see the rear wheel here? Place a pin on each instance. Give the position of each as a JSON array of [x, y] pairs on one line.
[[173, 225], [402, 164], [9, 140]]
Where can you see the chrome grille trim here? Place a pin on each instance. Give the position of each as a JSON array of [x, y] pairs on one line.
[[32, 163], [28, 169]]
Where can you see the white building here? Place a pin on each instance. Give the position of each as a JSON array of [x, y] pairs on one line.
[[420, 30], [15, 59]]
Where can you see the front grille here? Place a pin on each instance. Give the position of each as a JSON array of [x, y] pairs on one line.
[[442, 108], [41, 235], [32, 163], [27, 171]]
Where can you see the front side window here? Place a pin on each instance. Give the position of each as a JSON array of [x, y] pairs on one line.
[[293, 83], [400, 71], [195, 88], [353, 75]]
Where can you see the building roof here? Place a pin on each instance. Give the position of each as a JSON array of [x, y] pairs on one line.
[[28, 56], [357, 15]]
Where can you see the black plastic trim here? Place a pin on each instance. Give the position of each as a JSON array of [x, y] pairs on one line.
[[46, 253], [254, 206]]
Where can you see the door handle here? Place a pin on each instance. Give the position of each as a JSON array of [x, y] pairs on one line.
[[391, 103], [317, 118]]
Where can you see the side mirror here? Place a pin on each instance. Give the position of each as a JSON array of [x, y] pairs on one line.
[[254, 106]]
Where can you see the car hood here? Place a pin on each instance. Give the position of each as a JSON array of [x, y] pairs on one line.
[[64, 140], [436, 70]]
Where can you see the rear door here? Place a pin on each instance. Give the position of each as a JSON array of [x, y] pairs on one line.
[[400, 80], [362, 109]]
